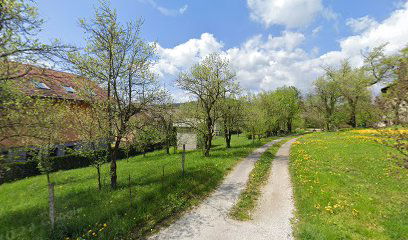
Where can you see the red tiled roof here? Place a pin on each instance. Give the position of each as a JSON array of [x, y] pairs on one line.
[[56, 81]]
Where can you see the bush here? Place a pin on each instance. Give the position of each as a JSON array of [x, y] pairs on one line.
[[19, 170]]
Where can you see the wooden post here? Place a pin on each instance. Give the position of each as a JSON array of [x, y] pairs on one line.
[[183, 158], [51, 204]]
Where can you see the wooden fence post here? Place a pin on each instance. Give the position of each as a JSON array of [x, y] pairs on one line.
[[51, 204], [183, 158]]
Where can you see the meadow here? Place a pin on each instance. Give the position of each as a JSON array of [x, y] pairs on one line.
[[83, 212], [348, 186]]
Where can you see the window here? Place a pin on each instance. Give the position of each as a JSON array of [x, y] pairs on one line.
[[41, 85], [69, 89]]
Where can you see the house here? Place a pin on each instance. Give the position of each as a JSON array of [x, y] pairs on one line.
[[60, 86], [186, 135]]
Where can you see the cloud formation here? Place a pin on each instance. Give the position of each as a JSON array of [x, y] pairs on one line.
[[361, 24], [166, 11], [268, 62], [290, 13]]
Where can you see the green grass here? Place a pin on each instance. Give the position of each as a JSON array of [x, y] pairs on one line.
[[247, 201], [346, 186], [82, 209]]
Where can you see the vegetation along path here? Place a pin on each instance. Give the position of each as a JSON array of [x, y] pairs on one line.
[[271, 220]]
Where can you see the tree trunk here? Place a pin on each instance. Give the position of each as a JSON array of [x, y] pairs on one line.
[[289, 125], [227, 136], [98, 169], [113, 165], [207, 146], [353, 121], [228, 139], [208, 137]]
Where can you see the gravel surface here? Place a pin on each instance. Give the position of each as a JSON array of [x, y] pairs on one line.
[[210, 219]]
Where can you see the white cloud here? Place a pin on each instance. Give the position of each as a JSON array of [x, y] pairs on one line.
[[316, 31], [166, 11], [265, 63], [329, 14], [181, 57], [291, 13], [361, 24], [183, 9]]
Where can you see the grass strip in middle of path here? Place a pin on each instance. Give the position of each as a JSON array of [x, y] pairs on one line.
[[247, 201]]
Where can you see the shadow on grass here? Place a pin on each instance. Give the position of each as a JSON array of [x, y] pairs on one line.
[[157, 199]]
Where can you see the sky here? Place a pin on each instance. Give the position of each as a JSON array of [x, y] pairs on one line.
[[269, 43]]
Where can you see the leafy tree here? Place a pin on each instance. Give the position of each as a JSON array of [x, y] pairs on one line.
[[165, 117], [50, 117], [89, 123], [146, 137], [392, 70], [288, 104], [120, 61], [208, 81], [255, 117], [328, 97], [353, 86], [232, 116], [282, 108], [312, 115], [19, 25]]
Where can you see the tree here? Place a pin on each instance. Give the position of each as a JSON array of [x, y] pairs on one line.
[[231, 109], [254, 116], [120, 61], [381, 67], [353, 86], [44, 132], [288, 104], [311, 114], [19, 25], [392, 70], [327, 99], [282, 108], [90, 123], [208, 81], [165, 120], [19, 48]]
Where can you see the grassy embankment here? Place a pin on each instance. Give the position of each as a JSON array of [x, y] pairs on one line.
[[247, 201], [85, 212], [347, 186]]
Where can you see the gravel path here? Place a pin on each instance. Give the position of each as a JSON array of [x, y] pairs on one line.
[[271, 219]]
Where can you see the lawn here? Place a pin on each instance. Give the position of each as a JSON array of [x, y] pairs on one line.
[[347, 186], [84, 212]]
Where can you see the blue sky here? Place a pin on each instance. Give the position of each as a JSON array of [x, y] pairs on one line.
[[264, 39]]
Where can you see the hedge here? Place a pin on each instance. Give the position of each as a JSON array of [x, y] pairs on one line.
[[19, 170]]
